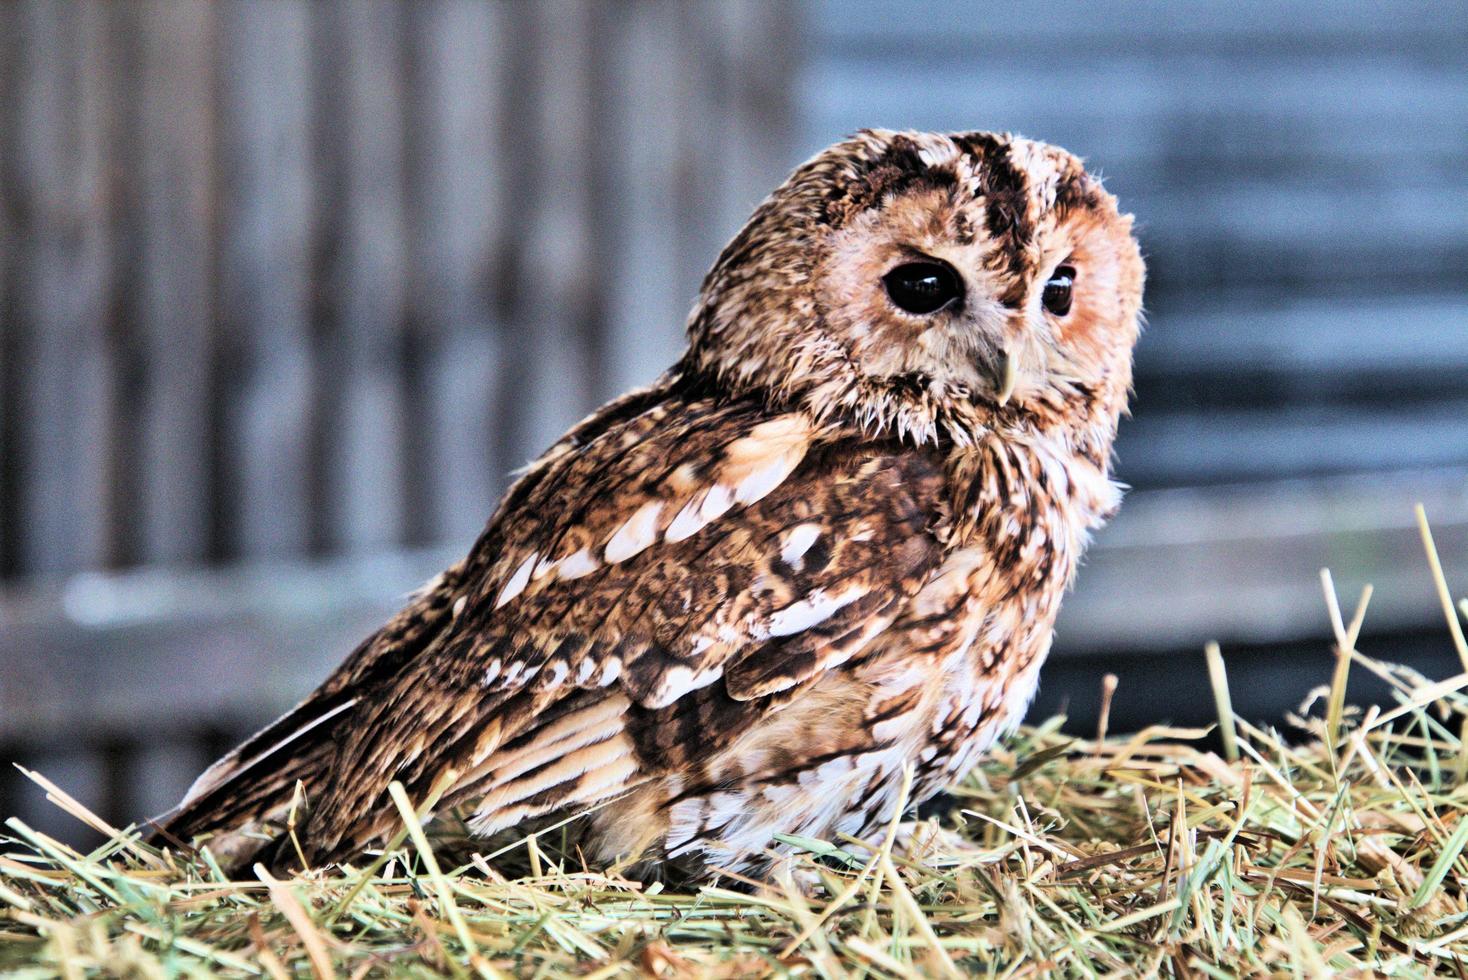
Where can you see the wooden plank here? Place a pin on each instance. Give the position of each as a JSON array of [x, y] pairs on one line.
[[60, 323], [1273, 443], [704, 165], [176, 300], [266, 205], [1232, 26], [683, 187], [648, 290], [1119, 108], [11, 203], [1320, 225], [1387, 334], [552, 379], [169, 650], [1242, 564], [759, 49], [366, 423], [1350, 356], [461, 211]]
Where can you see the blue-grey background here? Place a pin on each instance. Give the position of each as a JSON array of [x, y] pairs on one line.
[[287, 288]]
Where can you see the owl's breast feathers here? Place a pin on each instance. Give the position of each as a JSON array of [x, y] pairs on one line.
[[659, 583]]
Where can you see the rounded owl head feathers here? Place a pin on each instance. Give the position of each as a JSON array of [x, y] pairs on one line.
[[937, 286]]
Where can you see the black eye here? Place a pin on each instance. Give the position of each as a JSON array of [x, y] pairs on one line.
[[1056, 297], [923, 287]]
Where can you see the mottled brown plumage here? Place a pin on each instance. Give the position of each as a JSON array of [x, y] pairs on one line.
[[830, 542]]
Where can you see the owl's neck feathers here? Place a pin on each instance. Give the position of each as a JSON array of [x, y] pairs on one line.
[[818, 378], [1058, 447], [1061, 437]]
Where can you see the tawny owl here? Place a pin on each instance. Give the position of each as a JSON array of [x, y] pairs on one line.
[[830, 542]]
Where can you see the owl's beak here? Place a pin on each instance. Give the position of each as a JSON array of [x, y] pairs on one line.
[[1006, 372]]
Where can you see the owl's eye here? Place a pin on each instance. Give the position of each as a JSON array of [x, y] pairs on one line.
[[1056, 297], [923, 287]]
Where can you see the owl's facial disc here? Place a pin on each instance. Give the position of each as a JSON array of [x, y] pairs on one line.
[[990, 269], [917, 281]]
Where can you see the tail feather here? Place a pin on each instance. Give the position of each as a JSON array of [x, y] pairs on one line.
[[263, 747], [256, 783]]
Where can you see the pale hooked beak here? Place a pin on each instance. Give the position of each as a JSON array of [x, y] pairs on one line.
[[1008, 375]]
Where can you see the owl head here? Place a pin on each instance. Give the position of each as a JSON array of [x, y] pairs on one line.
[[937, 286]]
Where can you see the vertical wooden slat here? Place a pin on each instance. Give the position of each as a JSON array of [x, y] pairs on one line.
[[704, 90], [753, 51], [704, 167], [457, 134], [10, 778], [266, 192], [124, 138], [61, 297], [364, 446], [554, 381], [10, 203], [176, 307], [646, 302]]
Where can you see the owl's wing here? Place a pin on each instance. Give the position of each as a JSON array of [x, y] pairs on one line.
[[691, 550], [256, 780], [697, 547]]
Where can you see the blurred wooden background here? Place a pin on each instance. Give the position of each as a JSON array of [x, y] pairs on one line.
[[292, 279], [287, 288]]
